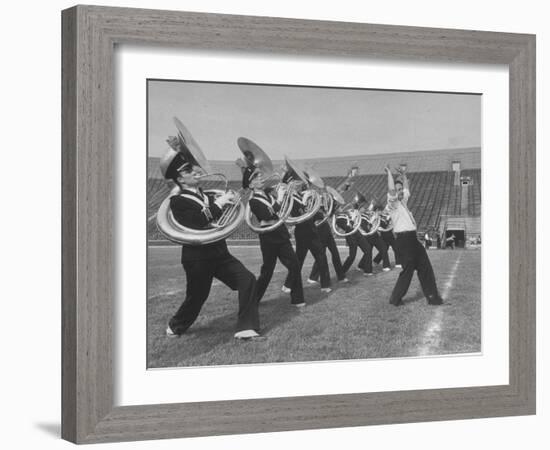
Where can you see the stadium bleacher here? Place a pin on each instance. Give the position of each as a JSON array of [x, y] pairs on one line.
[[433, 193]]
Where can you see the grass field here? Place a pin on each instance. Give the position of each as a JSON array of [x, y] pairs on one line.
[[354, 321]]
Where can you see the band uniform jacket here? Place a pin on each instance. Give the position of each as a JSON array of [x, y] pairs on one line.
[[197, 210], [366, 226], [386, 235], [265, 208], [325, 229], [343, 222], [307, 229]]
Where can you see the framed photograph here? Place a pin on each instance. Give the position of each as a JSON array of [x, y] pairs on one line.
[[209, 161]]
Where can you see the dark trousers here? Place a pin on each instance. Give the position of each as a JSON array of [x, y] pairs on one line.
[[200, 274], [329, 243], [389, 239], [312, 243], [414, 258], [355, 240], [285, 253], [366, 261]]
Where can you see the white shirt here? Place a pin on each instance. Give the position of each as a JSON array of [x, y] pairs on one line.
[[400, 215]]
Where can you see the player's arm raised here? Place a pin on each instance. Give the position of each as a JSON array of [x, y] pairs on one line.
[[391, 184]]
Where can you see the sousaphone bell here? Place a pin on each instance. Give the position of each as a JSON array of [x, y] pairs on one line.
[[310, 197], [232, 215], [328, 195], [257, 160]]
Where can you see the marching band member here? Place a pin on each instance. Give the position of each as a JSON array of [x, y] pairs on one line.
[[307, 237], [343, 221], [374, 241], [388, 238], [273, 244], [328, 242], [412, 253], [192, 208]]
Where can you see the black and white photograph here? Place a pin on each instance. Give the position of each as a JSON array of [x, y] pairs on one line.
[[308, 223]]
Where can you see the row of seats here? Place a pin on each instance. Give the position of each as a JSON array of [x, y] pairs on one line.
[[433, 195]]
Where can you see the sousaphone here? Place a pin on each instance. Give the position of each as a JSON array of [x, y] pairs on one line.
[[386, 224], [310, 197], [328, 194], [351, 212], [370, 217], [255, 157], [224, 226]]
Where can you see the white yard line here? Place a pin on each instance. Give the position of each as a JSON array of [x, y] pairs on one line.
[[165, 293], [432, 335]]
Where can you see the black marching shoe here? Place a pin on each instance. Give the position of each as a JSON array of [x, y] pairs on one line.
[[435, 300]]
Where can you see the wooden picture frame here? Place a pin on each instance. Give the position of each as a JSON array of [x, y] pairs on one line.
[[89, 36]]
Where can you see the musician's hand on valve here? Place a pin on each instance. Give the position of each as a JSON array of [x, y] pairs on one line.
[[280, 195], [226, 198]]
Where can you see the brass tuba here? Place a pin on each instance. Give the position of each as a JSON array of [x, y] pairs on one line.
[[386, 224], [328, 195], [372, 218], [309, 197], [255, 157], [232, 214], [350, 210], [354, 217]]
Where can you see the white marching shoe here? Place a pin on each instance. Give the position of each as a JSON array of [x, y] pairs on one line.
[[299, 305], [310, 281], [326, 290], [285, 290], [246, 334], [386, 269], [170, 333]]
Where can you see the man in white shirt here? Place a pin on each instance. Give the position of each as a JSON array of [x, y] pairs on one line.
[[412, 253]]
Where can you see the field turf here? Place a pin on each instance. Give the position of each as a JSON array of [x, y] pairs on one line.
[[354, 321]]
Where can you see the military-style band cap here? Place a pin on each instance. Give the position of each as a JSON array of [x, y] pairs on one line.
[[184, 150]]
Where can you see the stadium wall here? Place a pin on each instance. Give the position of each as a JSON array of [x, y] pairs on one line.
[[418, 161]]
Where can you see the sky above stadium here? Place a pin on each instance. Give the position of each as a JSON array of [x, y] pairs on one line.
[[307, 122]]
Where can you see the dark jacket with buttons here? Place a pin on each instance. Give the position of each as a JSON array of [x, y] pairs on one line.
[[265, 208], [197, 210]]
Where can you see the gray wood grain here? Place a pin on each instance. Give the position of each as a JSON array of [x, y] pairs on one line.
[[68, 192], [89, 36]]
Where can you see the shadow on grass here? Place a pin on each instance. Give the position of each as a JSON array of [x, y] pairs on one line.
[[208, 335], [198, 340], [277, 310], [418, 296]]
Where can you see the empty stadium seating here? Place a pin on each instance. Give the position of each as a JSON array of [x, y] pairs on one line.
[[433, 195]]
